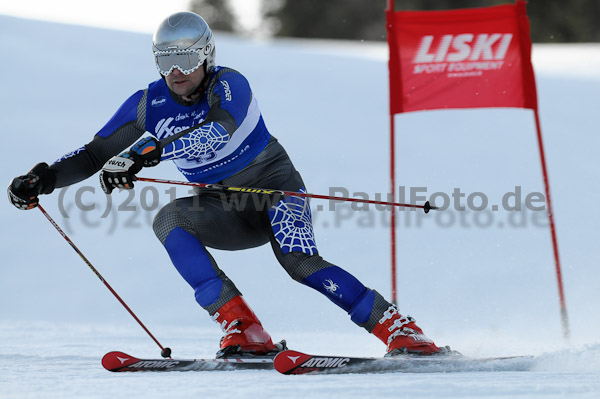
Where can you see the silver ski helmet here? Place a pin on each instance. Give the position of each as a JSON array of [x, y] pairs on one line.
[[183, 41]]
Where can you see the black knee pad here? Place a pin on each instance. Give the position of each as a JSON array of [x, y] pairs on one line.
[[300, 265], [169, 217]]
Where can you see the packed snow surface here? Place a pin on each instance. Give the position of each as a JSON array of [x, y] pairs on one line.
[[482, 282]]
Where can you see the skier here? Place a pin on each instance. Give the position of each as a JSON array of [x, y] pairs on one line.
[[206, 119]]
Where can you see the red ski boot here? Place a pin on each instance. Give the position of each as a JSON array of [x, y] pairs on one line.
[[402, 335], [243, 332]]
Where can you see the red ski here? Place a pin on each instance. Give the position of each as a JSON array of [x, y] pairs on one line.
[[119, 361], [293, 362]]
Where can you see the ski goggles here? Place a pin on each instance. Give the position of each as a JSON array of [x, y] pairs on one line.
[[187, 61]]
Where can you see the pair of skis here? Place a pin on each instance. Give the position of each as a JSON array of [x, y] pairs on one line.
[[293, 362]]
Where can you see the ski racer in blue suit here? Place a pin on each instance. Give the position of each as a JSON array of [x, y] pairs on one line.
[[206, 119]]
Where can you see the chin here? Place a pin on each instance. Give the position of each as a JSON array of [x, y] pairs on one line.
[[181, 92]]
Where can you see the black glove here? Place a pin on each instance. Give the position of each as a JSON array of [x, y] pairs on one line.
[[23, 191], [120, 171]]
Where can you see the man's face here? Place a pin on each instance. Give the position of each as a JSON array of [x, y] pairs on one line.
[[182, 84]]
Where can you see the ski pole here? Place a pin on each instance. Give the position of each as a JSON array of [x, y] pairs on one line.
[[165, 352], [426, 207]]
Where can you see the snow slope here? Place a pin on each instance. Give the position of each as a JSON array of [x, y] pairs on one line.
[[483, 283]]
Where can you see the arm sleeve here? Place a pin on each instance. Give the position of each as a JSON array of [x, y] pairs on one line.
[[126, 126], [228, 97]]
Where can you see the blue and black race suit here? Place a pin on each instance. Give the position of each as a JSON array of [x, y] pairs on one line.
[[222, 138]]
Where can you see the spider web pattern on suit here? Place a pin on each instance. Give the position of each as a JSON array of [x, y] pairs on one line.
[[199, 143], [291, 221]]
